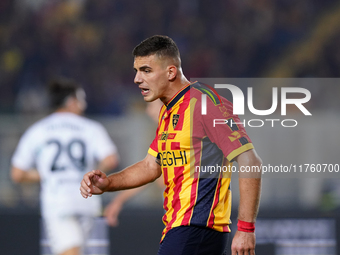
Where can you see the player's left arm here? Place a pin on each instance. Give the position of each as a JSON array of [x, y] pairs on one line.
[[250, 191], [21, 176]]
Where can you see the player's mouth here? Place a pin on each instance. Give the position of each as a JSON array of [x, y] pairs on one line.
[[144, 91]]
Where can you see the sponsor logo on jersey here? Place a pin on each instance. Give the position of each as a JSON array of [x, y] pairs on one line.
[[165, 136], [170, 158]]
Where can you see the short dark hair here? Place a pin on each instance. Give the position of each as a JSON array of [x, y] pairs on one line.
[[59, 89], [161, 45]]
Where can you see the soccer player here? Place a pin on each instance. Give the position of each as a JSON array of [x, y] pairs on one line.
[[197, 205], [57, 151]]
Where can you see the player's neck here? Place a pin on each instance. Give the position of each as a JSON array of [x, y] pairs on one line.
[[67, 110], [175, 87]]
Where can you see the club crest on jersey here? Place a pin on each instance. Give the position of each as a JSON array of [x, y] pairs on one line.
[[175, 119]]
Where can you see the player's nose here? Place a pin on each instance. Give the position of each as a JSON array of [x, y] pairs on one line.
[[138, 79]]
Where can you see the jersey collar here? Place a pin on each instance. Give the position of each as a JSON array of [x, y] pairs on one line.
[[177, 96]]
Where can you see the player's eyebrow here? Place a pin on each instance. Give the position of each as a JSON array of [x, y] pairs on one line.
[[142, 68]]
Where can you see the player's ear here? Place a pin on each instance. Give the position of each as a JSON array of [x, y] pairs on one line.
[[172, 72]]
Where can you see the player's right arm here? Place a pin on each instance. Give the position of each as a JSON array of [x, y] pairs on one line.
[[136, 175], [20, 176], [23, 160]]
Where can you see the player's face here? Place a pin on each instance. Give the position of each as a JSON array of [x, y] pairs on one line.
[[152, 77]]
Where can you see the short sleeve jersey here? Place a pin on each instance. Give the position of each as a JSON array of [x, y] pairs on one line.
[[186, 144], [63, 147]]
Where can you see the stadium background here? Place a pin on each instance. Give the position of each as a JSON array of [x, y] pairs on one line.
[[91, 41]]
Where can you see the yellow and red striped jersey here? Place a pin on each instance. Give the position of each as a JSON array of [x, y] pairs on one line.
[[186, 143]]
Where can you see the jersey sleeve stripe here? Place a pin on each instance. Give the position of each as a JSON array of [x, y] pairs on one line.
[[209, 91], [153, 152], [232, 126], [243, 140], [240, 150]]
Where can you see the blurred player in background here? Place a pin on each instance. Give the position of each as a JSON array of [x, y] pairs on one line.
[[57, 151], [114, 208], [197, 208]]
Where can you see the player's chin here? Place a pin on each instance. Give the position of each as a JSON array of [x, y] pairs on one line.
[[149, 98]]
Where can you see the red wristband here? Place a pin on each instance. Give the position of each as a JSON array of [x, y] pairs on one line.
[[246, 226]]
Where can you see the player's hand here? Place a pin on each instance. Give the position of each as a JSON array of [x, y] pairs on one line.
[[94, 183], [112, 211], [243, 243]]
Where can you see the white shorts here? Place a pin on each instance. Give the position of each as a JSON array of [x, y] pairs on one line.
[[66, 232]]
